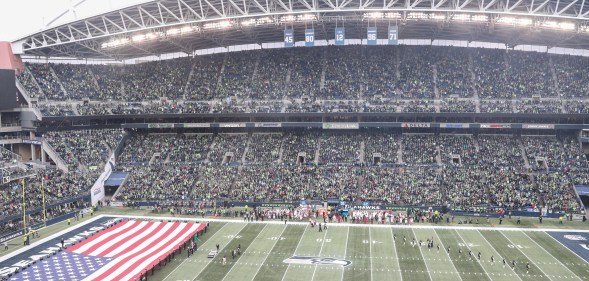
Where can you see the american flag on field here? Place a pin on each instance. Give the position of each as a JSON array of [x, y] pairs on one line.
[[122, 252]]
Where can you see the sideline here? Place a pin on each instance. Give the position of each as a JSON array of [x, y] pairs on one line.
[[343, 224], [53, 236]]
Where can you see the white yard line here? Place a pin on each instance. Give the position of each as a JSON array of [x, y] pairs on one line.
[[211, 260], [567, 248], [499, 255], [480, 264], [344, 224], [203, 244], [448, 254], [345, 252], [551, 255], [540, 268], [422, 258], [295, 252], [52, 236], [370, 246], [320, 250], [234, 264], [396, 254], [262, 264]]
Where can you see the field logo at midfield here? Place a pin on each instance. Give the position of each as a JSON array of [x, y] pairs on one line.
[[316, 260], [575, 237]]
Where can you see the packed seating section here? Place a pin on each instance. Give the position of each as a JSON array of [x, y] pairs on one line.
[[320, 79]]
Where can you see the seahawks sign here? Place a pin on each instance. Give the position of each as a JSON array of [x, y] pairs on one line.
[[316, 261]]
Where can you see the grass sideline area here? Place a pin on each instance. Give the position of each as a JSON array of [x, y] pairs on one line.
[[375, 252]]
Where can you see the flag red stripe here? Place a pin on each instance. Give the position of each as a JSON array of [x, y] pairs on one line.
[[138, 244], [160, 252], [97, 235], [155, 261], [131, 225], [137, 251], [102, 253]]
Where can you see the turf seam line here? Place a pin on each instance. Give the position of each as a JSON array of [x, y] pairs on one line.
[[586, 262], [295, 251], [345, 251], [551, 255], [448, 254], [202, 245], [320, 250], [497, 252], [266, 258], [396, 253], [422, 257], [220, 250], [235, 263], [540, 268], [478, 261]]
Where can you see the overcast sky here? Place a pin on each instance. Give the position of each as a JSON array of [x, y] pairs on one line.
[[19, 18]]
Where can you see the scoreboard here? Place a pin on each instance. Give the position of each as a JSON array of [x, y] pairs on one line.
[[8, 95]]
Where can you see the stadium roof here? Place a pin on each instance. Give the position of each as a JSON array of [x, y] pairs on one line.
[[168, 26]]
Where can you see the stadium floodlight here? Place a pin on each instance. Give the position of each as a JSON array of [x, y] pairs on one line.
[[515, 21], [306, 17], [288, 18], [392, 15], [559, 25], [138, 38], [173, 31], [218, 25], [186, 29], [248, 22], [373, 15], [438, 17], [461, 17], [417, 16], [479, 18]]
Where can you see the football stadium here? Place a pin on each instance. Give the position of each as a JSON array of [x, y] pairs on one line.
[[294, 140]]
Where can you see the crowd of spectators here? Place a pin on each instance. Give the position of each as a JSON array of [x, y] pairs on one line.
[[83, 149], [454, 105], [491, 171], [235, 82], [416, 74], [489, 67], [228, 143], [58, 187], [420, 149], [77, 80], [420, 106], [529, 74], [496, 106], [6, 155], [264, 148], [539, 106], [452, 75], [572, 76], [544, 152], [340, 148], [46, 80], [458, 146], [500, 151], [385, 144], [577, 107]]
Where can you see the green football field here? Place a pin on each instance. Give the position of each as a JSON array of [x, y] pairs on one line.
[[376, 252]]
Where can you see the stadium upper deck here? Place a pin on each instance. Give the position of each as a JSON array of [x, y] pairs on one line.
[[392, 79]]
